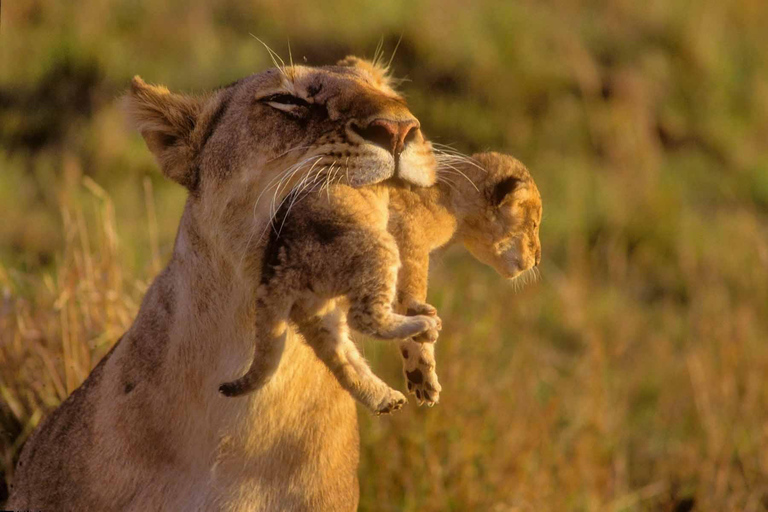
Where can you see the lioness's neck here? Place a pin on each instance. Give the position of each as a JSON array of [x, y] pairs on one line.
[[210, 340]]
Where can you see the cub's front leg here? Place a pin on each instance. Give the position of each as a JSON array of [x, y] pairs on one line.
[[325, 330]]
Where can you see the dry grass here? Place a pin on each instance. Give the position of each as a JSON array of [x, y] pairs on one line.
[[56, 326], [631, 377]]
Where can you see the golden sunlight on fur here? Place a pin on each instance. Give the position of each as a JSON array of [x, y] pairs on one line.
[[148, 430], [333, 244]]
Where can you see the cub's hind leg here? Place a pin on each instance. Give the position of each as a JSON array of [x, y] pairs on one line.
[[419, 357], [327, 333], [419, 371], [271, 332]]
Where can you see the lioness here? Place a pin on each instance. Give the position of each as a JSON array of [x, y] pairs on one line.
[[491, 205], [148, 429]]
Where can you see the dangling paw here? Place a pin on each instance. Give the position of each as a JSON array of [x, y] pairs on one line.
[[414, 307], [393, 400], [419, 370]]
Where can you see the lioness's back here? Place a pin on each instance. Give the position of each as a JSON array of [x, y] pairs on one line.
[[66, 439]]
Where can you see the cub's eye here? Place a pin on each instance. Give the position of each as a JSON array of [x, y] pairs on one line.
[[535, 224], [284, 102]]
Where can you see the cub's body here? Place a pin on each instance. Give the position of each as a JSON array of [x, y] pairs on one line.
[[324, 246], [333, 245]]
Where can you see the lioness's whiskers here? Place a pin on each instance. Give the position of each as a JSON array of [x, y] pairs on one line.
[[338, 176], [283, 182], [304, 181], [289, 172], [445, 153], [280, 176], [379, 52], [328, 175], [300, 194], [299, 190], [312, 182], [288, 151], [347, 169], [297, 185], [274, 56], [449, 183], [443, 156], [446, 167], [302, 187]]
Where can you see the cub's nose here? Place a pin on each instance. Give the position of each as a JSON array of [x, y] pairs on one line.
[[538, 256], [390, 134]]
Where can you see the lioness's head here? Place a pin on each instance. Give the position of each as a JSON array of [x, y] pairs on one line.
[[501, 227], [268, 131]]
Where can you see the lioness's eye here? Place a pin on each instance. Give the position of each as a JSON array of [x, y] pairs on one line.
[[284, 102]]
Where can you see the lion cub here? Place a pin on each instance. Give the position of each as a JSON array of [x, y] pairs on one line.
[[490, 204], [336, 245], [324, 246]]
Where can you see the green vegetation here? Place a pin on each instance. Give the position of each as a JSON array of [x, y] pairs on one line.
[[631, 377]]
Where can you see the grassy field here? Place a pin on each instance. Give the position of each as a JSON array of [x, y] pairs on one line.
[[632, 376]]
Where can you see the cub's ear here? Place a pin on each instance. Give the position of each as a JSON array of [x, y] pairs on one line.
[[503, 189], [376, 70], [167, 122]]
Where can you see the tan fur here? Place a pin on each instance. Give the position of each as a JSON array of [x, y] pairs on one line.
[[335, 246], [488, 203], [148, 429], [332, 245]]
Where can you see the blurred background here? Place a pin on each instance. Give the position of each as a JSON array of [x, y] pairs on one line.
[[630, 377]]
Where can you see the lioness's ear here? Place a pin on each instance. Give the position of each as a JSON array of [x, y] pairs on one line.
[[378, 72], [167, 122], [503, 189]]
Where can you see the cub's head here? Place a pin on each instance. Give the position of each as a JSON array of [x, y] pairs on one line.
[[266, 133], [501, 223]]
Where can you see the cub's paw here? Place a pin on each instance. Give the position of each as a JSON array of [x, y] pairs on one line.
[[422, 308], [419, 370], [415, 307], [420, 326], [393, 400]]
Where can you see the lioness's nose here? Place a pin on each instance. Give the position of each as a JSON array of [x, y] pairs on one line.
[[389, 134]]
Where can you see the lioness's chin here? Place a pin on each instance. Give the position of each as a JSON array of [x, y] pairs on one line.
[[371, 175], [416, 174], [419, 173], [417, 166]]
